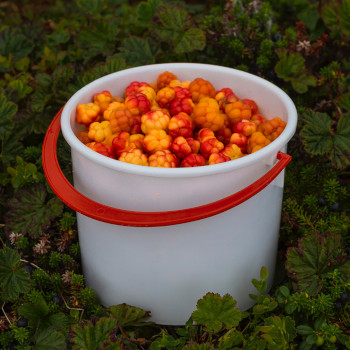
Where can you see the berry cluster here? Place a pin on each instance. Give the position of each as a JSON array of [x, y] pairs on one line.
[[173, 123]]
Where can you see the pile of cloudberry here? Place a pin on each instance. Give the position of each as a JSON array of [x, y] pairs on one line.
[[173, 123]]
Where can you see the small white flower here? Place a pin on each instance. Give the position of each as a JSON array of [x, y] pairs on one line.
[[14, 236]]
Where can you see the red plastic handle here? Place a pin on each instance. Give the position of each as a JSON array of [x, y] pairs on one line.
[[84, 205]]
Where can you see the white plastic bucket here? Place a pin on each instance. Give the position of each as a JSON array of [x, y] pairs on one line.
[[162, 238]]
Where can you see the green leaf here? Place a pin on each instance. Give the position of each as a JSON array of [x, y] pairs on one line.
[[50, 339], [264, 273], [146, 10], [317, 132], [319, 139], [291, 67], [13, 279], [344, 16], [13, 42], [193, 39], [344, 101], [309, 16], [22, 89], [98, 40], [305, 330], [137, 51], [329, 15], [92, 6], [215, 312], [173, 23], [34, 312], [127, 314], [7, 111], [22, 65], [31, 212], [313, 258], [92, 336]]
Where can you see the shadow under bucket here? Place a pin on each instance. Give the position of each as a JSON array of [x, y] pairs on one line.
[[161, 238]]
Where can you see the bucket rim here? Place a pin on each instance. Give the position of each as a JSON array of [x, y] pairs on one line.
[[267, 152]]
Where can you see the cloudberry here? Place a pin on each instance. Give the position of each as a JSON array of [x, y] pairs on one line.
[[120, 143], [138, 103], [88, 113], [154, 120], [181, 125], [133, 87], [224, 135], [165, 96], [103, 99], [210, 146], [232, 151], [244, 127], [201, 88], [240, 140], [257, 141], [181, 105], [193, 160], [120, 118], [134, 156], [216, 158], [204, 134], [162, 159], [157, 140], [180, 147], [253, 106], [237, 111], [164, 79], [100, 132], [194, 144], [272, 128], [206, 114], [101, 148]]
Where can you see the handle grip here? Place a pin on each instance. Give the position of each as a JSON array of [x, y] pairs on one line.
[[86, 206]]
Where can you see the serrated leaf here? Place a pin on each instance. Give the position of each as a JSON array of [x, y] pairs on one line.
[[13, 279], [31, 212], [291, 67], [193, 39], [215, 312], [34, 312], [22, 89], [98, 40], [13, 42], [39, 99], [7, 111], [91, 337], [317, 132], [319, 139], [50, 339], [127, 314], [173, 23], [313, 258], [43, 79], [137, 51], [59, 36], [329, 15]]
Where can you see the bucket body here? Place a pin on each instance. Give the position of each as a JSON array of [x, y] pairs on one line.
[[166, 269]]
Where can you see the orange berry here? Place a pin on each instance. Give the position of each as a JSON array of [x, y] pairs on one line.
[[157, 140], [121, 119], [134, 156], [101, 148], [204, 134], [164, 79], [103, 99], [201, 88], [216, 158], [154, 120], [272, 128], [165, 96], [257, 139], [206, 114], [237, 111], [224, 135], [83, 137], [88, 113], [232, 151], [100, 132], [163, 159], [181, 105], [133, 87]]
